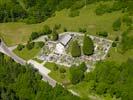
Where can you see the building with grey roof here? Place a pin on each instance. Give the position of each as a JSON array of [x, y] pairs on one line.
[[65, 39]]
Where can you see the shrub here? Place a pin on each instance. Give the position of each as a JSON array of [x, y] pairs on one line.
[[76, 74], [83, 66], [88, 46], [82, 30], [126, 19], [117, 38], [34, 35], [55, 67], [40, 44], [62, 70], [101, 9], [20, 47], [75, 49], [104, 34], [117, 24], [114, 44], [46, 30], [62, 76], [54, 35], [74, 13], [57, 26], [65, 29], [30, 20], [30, 45]]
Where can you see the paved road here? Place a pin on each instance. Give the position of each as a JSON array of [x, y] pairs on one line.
[[43, 71], [12, 47], [4, 49]]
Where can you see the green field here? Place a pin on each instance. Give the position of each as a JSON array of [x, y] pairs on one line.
[[27, 54], [57, 75], [17, 32]]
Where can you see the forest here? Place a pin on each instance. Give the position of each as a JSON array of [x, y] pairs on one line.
[[19, 82], [36, 11], [111, 78]]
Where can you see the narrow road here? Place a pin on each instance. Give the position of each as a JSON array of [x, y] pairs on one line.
[[4, 49], [43, 71]]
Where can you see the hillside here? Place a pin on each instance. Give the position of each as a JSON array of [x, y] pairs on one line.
[[31, 25], [18, 32]]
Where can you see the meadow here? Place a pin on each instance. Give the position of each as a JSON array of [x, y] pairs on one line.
[[17, 32]]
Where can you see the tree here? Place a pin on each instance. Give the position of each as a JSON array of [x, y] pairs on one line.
[[34, 35], [76, 75], [22, 82], [83, 66], [20, 47], [114, 44], [62, 70], [65, 29], [54, 35], [46, 30], [57, 26], [30, 45], [104, 34], [82, 30], [75, 49], [88, 46], [117, 24], [39, 44]]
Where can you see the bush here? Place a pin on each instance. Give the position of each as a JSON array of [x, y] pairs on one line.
[[83, 66], [34, 35], [117, 24], [128, 20], [62, 76], [88, 46], [62, 70], [55, 67], [40, 44], [75, 49], [82, 30], [104, 34], [117, 38], [46, 30], [30, 20], [20, 47], [76, 74], [30, 45], [54, 36], [101, 9], [77, 5], [65, 29], [74, 13], [57, 26], [114, 44]]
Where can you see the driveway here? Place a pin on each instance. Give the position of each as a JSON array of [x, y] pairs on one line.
[[43, 71]]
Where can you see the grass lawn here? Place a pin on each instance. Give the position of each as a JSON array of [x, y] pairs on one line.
[[57, 75], [17, 32], [116, 56], [38, 60], [27, 54]]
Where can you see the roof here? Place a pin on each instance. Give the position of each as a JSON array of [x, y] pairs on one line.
[[59, 48], [65, 39]]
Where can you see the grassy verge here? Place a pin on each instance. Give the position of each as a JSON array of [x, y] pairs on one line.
[[38, 60], [27, 54], [57, 75]]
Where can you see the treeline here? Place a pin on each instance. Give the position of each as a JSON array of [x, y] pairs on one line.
[[35, 11], [19, 82], [113, 79]]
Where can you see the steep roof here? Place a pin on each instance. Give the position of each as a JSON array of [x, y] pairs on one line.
[[65, 39]]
